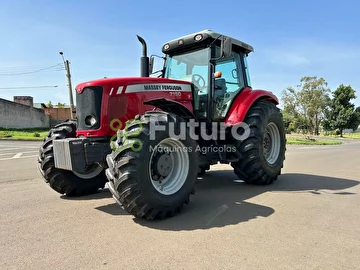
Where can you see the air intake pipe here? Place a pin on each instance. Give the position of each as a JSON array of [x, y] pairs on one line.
[[144, 60]]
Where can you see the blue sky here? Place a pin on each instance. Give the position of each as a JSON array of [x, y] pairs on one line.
[[291, 39]]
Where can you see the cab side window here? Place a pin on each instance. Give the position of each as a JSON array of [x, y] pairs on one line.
[[231, 72], [247, 71], [230, 83]]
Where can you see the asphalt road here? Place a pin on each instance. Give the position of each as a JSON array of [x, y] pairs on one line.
[[308, 219]]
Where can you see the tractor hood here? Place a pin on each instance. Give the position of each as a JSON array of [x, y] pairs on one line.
[[101, 102], [140, 83]]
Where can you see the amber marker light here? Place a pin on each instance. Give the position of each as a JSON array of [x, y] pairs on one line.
[[218, 74]]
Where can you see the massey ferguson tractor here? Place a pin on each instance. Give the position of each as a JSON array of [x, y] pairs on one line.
[[150, 137]]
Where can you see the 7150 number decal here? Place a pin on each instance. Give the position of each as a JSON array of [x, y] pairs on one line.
[[175, 94]]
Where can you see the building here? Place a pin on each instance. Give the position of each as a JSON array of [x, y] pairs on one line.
[[56, 114], [20, 114], [25, 100]]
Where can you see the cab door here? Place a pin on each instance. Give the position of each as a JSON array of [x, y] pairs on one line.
[[227, 86]]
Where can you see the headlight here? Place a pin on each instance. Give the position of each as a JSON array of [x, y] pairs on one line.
[[166, 46], [198, 37], [90, 121]]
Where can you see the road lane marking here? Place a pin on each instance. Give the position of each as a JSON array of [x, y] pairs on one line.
[[6, 154], [26, 152], [1, 159], [17, 155], [217, 212], [6, 149], [17, 146]]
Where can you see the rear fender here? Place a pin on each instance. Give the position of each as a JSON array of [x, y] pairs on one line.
[[171, 106], [243, 103]]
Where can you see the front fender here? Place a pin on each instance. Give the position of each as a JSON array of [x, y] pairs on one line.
[[171, 106], [243, 103]]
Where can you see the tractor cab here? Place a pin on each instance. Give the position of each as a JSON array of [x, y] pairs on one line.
[[215, 65]]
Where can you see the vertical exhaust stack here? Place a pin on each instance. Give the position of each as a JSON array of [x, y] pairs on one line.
[[144, 60]]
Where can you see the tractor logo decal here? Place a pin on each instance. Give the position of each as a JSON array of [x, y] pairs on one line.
[[158, 87]]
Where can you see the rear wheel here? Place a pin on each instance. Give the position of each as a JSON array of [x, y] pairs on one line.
[[68, 182], [153, 177], [263, 152]]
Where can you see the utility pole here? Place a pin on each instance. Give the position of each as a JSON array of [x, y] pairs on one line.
[[68, 75]]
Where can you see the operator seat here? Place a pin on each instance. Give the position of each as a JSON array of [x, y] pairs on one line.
[[220, 87]]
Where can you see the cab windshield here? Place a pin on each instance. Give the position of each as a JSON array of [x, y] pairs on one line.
[[192, 67]]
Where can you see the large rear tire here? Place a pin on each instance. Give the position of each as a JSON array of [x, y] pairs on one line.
[[263, 151], [152, 177], [62, 181]]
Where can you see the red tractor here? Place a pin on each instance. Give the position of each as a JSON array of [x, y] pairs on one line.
[[150, 137]]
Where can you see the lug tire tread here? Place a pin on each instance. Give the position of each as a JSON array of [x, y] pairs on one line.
[[123, 172], [250, 168], [62, 181]]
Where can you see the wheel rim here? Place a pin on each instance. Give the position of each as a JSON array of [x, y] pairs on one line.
[[271, 143], [90, 172], [169, 166]]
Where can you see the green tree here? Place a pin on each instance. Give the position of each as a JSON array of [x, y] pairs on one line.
[[49, 104], [355, 120], [61, 105], [342, 114], [306, 103]]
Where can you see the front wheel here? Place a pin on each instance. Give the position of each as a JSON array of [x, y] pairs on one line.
[[263, 151], [70, 183], [153, 177]]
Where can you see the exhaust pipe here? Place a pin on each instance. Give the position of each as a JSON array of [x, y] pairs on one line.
[[144, 60]]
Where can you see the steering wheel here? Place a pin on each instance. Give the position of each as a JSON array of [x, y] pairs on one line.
[[199, 80]]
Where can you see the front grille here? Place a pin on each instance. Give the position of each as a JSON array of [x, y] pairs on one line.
[[89, 103]]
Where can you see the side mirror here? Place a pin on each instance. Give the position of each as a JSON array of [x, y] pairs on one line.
[[234, 73], [151, 64], [226, 47]]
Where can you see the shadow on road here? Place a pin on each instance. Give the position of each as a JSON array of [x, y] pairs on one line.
[[100, 194], [219, 201], [112, 209]]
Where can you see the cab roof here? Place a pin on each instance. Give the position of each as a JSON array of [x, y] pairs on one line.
[[206, 36]]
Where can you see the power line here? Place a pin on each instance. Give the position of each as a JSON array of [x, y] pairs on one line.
[[24, 68], [58, 66], [27, 87]]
